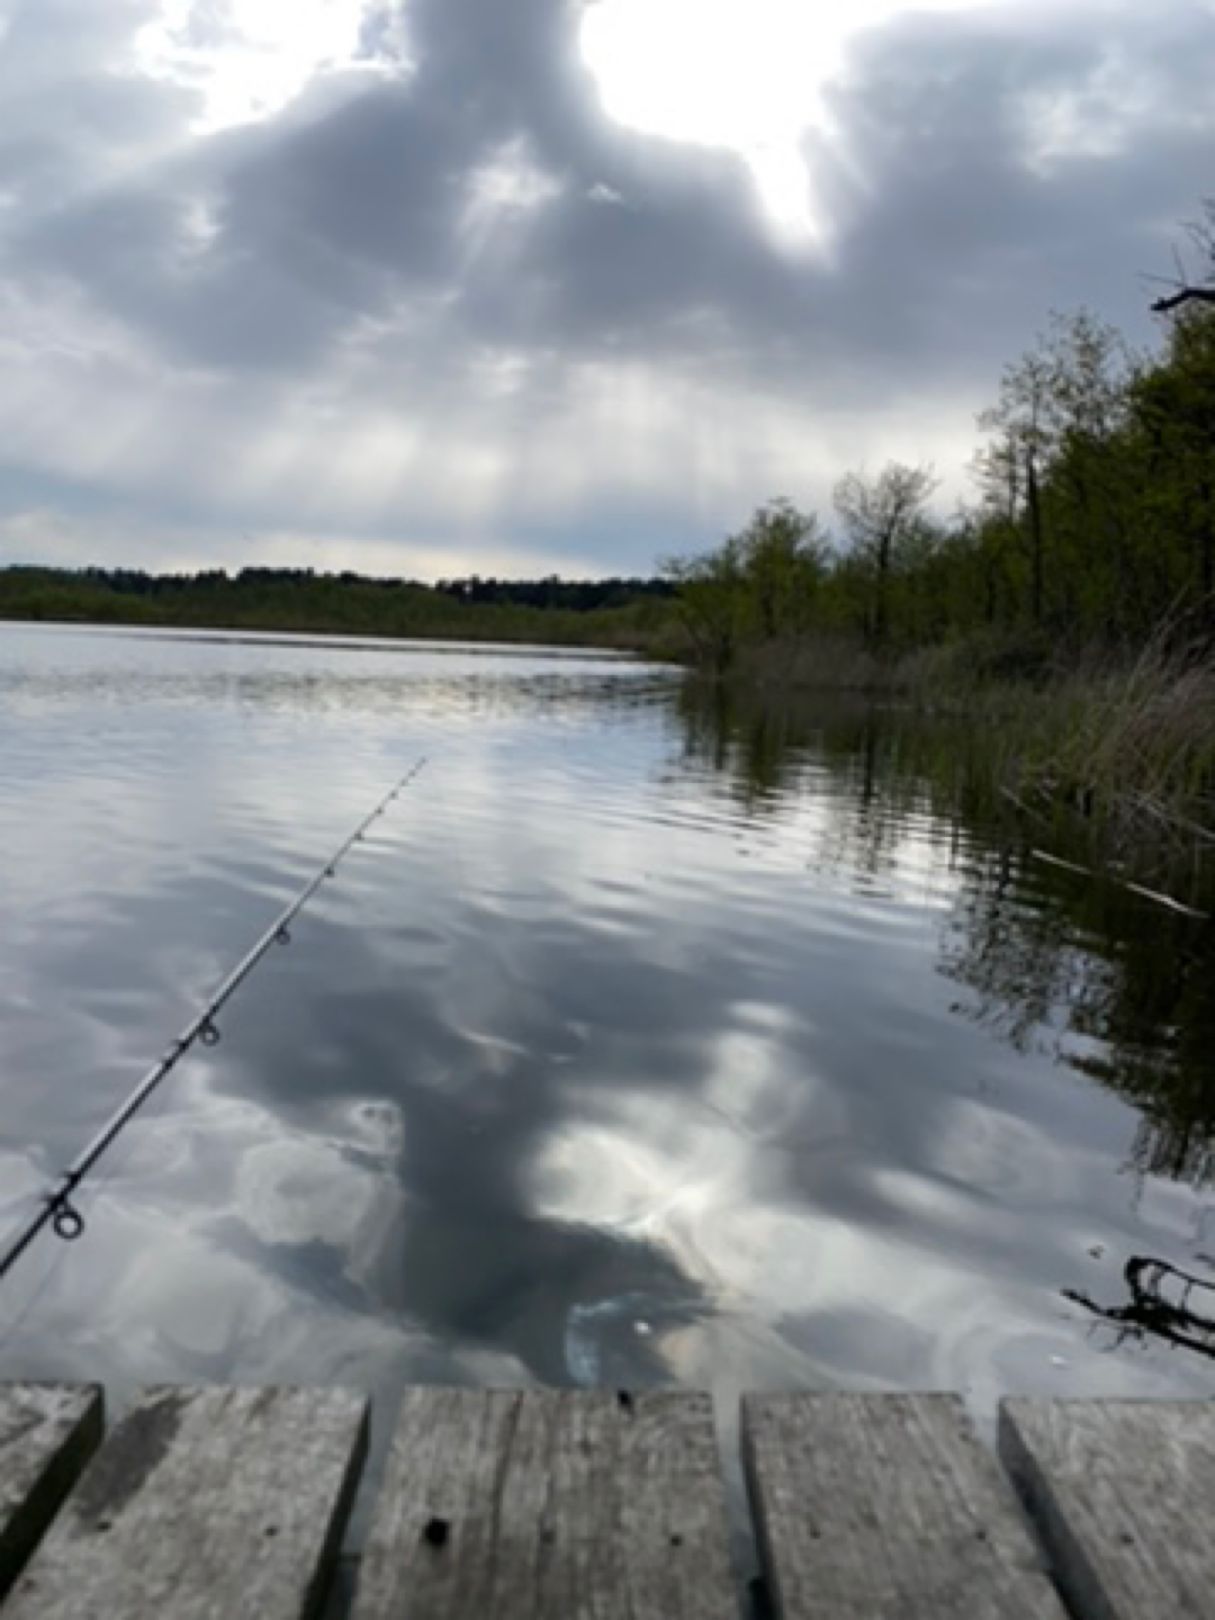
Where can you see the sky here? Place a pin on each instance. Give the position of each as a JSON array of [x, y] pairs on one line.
[[530, 286]]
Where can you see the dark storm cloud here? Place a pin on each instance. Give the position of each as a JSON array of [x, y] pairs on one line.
[[945, 228], [950, 245], [981, 169], [318, 220], [961, 244]]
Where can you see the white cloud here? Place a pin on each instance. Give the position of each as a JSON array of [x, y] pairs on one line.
[[469, 322], [342, 471], [749, 75], [1104, 115], [247, 59]]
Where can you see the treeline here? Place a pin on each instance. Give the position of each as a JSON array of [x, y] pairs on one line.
[[611, 612], [563, 595], [1093, 525]]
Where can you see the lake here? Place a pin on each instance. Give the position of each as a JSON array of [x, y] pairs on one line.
[[649, 1039]]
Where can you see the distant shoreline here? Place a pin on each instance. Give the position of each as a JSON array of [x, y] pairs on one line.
[[614, 615], [254, 637]]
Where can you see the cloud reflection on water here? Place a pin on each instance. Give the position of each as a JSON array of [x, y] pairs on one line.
[[623, 1053]]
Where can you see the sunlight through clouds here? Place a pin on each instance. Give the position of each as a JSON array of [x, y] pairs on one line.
[[248, 58], [508, 186], [748, 75], [573, 282]]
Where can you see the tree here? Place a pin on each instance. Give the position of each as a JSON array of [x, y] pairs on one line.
[[1086, 497], [1090, 368], [1013, 464], [710, 598], [783, 557], [1202, 234], [1174, 408], [1059, 407], [881, 517]]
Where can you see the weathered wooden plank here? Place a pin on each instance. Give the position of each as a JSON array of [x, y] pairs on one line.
[[549, 1505], [202, 1504], [1123, 1493], [47, 1434], [886, 1507]]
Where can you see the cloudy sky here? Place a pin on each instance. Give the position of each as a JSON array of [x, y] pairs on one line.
[[526, 285]]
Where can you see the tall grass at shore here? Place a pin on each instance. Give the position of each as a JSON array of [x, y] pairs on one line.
[[1131, 748], [1119, 749]]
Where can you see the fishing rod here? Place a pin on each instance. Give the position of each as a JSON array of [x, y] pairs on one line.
[[58, 1210]]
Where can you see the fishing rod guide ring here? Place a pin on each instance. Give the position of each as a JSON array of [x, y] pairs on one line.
[[67, 1222]]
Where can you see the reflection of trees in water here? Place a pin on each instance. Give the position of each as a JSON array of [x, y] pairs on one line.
[[768, 747], [1013, 958], [759, 746], [1159, 1029], [1118, 992], [1164, 1301], [1117, 989]]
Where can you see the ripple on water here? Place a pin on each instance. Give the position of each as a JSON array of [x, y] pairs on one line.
[[639, 1043]]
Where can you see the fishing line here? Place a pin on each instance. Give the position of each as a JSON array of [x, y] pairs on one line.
[[59, 1210]]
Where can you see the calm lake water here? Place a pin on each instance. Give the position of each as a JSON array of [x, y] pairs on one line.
[[646, 1041]]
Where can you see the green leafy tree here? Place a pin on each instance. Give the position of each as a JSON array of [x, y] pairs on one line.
[[783, 557], [1046, 474], [710, 596], [1011, 468], [1174, 409]]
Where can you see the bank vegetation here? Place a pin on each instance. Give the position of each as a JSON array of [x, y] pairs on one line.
[[1070, 605]]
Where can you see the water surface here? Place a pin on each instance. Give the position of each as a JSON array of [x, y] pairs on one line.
[[647, 1041]]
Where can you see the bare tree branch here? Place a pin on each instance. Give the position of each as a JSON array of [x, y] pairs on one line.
[[1200, 295]]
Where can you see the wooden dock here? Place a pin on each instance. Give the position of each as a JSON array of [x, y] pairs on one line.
[[231, 1504]]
